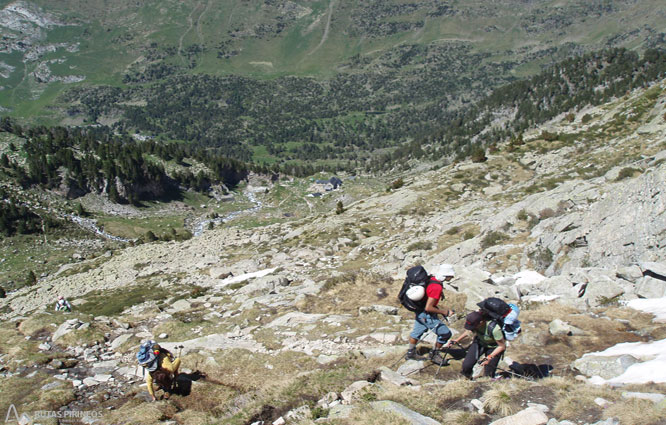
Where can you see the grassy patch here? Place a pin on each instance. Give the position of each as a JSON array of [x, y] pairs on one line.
[[115, 301], [493, 238], [627, 172], [420, 245], [636, 412], [24, 393]]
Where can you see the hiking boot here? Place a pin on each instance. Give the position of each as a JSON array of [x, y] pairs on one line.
[[411, 354], [437, 358]]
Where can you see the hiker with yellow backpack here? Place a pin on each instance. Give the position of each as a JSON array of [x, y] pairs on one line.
[[161, 365]]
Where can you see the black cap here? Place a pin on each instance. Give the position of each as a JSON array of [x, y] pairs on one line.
[[473, 320]]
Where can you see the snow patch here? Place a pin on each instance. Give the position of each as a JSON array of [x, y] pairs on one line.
[[529, 277], [651, 369], [656, 306], [246, 276]]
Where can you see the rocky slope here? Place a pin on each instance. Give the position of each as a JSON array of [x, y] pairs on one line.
[[299, 321]]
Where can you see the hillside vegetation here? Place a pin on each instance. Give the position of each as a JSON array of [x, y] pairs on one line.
[[304, 81], [296, 317]]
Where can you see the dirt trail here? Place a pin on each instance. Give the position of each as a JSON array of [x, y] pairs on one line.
[[191, 22], [199, 33], [326, 29]]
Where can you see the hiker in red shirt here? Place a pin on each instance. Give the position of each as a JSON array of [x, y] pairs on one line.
[[427, 318]]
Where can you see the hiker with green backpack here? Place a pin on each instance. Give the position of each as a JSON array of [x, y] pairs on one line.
[[494, 324], [421, 294]]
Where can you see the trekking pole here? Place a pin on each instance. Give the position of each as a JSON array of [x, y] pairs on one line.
[[404, 355], [444, 363], [517, 375], [180, 349]]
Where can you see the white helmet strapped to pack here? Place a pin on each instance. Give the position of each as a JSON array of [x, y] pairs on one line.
[[416, 293]]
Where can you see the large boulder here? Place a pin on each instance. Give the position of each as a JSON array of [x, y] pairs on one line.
[[558, 327], [625, 224], [409, 415], [630, 273], [353, 392], [477, 285], [653, 269], [581, 287], [600, 289], [378, 308], [264, 284], [606, 367], [529, 416], [395, 378], [650, 287], [67, 327], [116, 343]]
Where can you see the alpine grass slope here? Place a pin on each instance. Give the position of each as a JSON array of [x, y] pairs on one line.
[[295, 317]]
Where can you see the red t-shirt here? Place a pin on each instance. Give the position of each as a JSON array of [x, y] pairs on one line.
[[434, 289]]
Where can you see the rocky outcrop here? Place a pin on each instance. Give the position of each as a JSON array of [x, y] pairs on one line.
[[399, 410], [529, 416], [607, 367], [625, 226]]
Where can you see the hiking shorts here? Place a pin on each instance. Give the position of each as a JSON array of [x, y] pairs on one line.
[[424, 321]]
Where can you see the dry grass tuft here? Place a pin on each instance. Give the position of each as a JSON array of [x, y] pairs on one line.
[[560, 383], [462, 417], [637, 412], [193, 417], [500, 400], [40, 323], [455, 390], [138, 412], [545, 312], [579, 405], [341, 293]]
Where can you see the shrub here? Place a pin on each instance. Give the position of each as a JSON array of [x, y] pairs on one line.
[[542, 258], [421, 245], [609, 301], [626, 173], [2, 292], [570, 117], [149, 236], [30, 278], [468, 235], [397, 184], [334, 281], [80, 211], [452, 231], [339, 208], [586, 118], [546, 213], [319, 412], [479, 155], [493, 238], [548, 136], [522, 215]]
